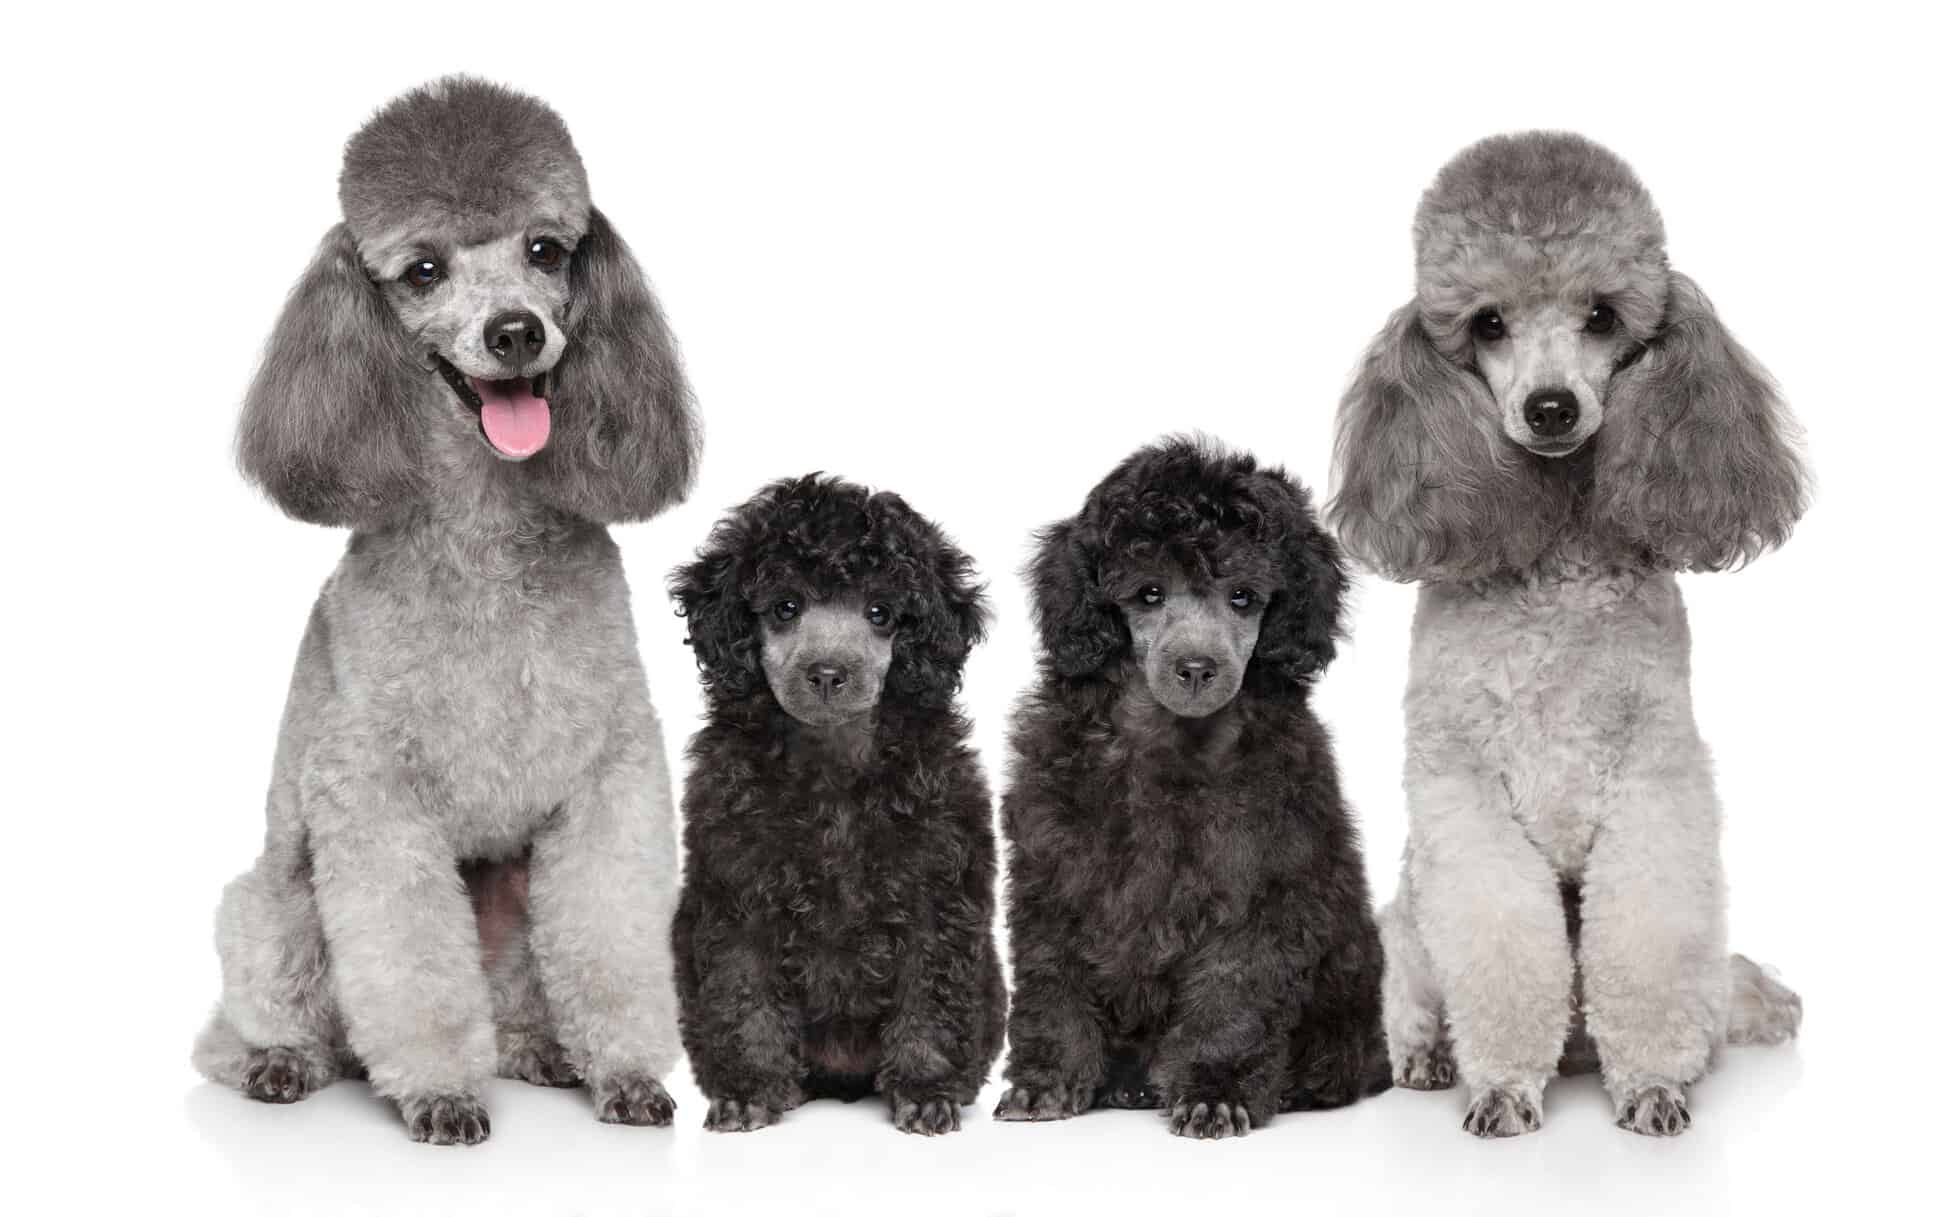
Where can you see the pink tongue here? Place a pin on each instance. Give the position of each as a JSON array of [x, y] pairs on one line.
[[516, 422]]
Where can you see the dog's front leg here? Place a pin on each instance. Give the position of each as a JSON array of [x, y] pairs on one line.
[[1220, 1064], [1491, 920], [1057, 1043], [602, 893], [1655, 970], [930, 1040], [404, 952], [743, 1042]]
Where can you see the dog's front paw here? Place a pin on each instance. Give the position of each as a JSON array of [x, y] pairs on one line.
[[1654, 1111], [1210, 1119], [733, 1115], [1496, 1112], [540, 1062], [632, 1098], [1023, 1103], [446, 1119], [276, 1075], [1427, 1069], [926, 1116]]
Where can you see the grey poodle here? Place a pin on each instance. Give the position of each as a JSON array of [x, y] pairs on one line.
[[470, 862], [1543, 437]]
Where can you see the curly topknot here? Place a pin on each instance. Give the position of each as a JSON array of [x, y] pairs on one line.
[[1190, 502], [818, 535]]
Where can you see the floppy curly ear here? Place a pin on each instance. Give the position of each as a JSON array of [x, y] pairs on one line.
[[1298, 630], [327, 429], [1079, 628], [948, 619], [1697, 459], [711, 594], [625, 439], [1425, 486]]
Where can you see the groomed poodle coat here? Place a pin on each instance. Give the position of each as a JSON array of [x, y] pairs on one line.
[[1543, 437], [1189, 916], [834, 932], [469, 867]]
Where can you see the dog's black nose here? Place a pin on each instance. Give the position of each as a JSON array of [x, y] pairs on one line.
[[515, 337], [1196, 673], [1551, 413], [827, 679]]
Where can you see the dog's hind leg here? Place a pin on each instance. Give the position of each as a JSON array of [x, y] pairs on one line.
[[1656, 978], [275, 1035], [1763, 1011], [1419, 1051], [1338, 1053], [994, 1002], [1491, 924]]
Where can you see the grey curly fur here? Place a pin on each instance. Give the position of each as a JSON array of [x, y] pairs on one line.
[[1697, 467], [834, 936], [1562, 893], [470, 865]]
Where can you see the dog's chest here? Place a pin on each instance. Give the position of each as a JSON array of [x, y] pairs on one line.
[[1181, 859], [493, 693], [1549, 692], [851, 883]]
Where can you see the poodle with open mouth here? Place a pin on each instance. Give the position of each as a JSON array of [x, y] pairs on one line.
[[834, 933], [1190, 922], [1543, 437], [469, 868]]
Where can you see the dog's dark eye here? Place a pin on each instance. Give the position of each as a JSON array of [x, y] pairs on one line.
[[1602, 320], [423, 273], [1151, 595], [1488, 325], [786, 610], [1241, 599], [878, 614], [546, 253]]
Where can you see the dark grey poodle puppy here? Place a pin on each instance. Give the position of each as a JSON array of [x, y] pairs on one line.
[[469, 867], [1189, 914], [834, 931]]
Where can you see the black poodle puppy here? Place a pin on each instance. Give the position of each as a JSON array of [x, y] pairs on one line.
[[834, 931], [1189, 913]]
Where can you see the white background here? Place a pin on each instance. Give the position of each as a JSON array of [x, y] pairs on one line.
[[975, 257]]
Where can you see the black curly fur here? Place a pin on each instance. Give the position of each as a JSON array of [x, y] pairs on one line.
[[834, 931], [1189, 914]]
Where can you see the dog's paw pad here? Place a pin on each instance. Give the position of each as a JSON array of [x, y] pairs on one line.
[[1025, 1104], [733, 1115], [541, 1064], [1502, 1113], [276, 1075], [1210, 1120], [447, 1119], [632, 1098], [927, 1117], [1429, 1069], [1655, 1111]]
